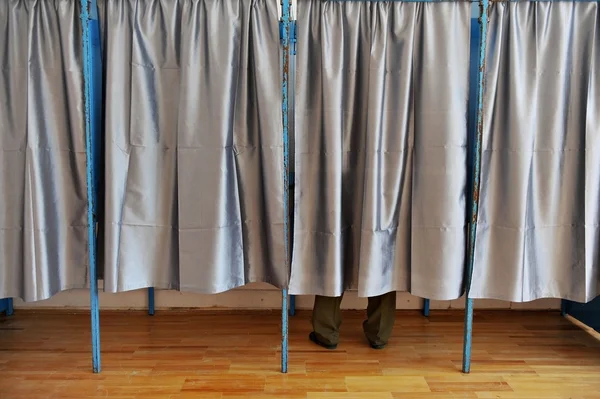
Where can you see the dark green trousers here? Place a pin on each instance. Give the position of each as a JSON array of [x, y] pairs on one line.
[[381, 315]]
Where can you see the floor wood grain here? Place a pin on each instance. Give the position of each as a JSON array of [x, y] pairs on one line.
[[230, 355]]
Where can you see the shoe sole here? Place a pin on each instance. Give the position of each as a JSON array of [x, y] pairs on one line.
[[314, 340]]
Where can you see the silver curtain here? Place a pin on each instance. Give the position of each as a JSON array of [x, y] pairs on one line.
[[538, 233], [194, 153], [381, 137], [43, 199]]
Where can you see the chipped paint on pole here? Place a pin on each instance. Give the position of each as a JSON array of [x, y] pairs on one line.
[[468, 325], [285, 42]]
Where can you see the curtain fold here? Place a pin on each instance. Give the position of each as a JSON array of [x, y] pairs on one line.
[[43, 197], [194, 152], [538, 234], [381, 148]]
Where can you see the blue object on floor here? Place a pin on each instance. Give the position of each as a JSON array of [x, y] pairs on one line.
[[587, 313], [6, 306], [151, 301]]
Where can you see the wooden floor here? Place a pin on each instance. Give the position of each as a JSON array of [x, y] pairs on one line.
[[519, 355]]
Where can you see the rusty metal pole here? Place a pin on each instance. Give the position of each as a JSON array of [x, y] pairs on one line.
[[468, 326], [285, 42], [92, 72]]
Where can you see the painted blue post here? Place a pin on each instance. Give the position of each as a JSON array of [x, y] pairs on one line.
[[292, 305], [285, 42], [92, 74], [477, 128], [10, 310], [284, 331], [467, 342], [151, 301], [563, 307], [426, 307]]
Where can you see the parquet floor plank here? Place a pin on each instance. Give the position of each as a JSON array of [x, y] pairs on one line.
[[232, 355]]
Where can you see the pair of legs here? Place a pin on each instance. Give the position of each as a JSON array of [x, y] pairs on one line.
[[327, 318]]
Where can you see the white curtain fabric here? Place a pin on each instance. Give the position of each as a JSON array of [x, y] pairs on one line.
[[538, 230], [194, 149], [381, 148], [43, 189]]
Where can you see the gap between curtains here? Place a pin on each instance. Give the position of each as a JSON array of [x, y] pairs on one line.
[[538, 233], [194, 149], [381, 148], [43, 192]]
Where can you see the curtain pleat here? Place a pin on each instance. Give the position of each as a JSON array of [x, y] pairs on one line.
[[43, 191], [381, 148], [194, 153], [538, 234]]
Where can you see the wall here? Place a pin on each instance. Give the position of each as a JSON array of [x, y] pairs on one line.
[[254, 296]]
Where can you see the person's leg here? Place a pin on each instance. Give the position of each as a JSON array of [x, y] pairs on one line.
[[381, 314], [326, 321]]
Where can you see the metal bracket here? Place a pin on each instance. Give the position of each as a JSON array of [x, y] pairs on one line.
[[293, 36]]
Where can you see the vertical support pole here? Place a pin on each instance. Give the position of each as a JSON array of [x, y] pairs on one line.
[[285, 42], [292, 305], [151, 301], [466, 364], [10, 310], [468, 328], [426, 307], [284, 331], [91, 74]]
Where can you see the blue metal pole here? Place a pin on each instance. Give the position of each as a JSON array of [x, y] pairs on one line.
[[478, 129], [292, 305], [468, 334], [285, 42], [563, 307], [92, 74], [151, 301], [426, 307], [10, 310], [284, 331]]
